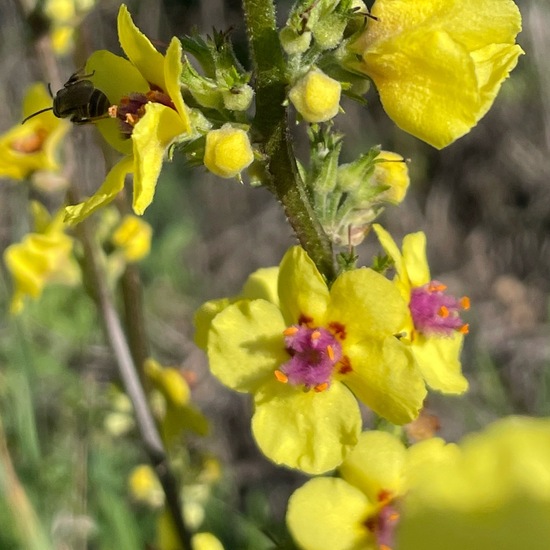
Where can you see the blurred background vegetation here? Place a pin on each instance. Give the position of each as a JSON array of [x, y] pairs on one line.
[[484, 203]]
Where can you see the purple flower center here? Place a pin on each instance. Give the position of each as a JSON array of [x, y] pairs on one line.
[[383, 524], [132, 108], [314, 353], [435, 312]]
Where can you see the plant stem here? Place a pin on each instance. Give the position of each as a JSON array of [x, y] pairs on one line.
[[132, 295], [127, 369], [271, 129]]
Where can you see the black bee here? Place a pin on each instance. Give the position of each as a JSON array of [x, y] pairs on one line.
[[78, 99]]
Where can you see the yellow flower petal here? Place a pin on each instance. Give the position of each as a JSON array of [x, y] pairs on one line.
[[328, 513], [376, 464], [439, 360], [427, 85], [169, 381], [139, 49], [262, 284], [40, 259], [302, 289], [246, 345], [113, 184], [172, 74], [415, 259], [133, 237], [204, 317], [206, 541], [439, 65], [102, 65], [494, 494], [29, 147], [382, 309], [151, 137], [312, 431], [386, 378]]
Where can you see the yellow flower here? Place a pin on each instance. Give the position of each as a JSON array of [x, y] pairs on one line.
[[27, 148], [307, 353], [133, 238], [316, 96], [178, 414], [360, 510], [167, 537], [145, 487], [228, 151], [41, 258], [434, 327], [438, 65], [149, 109], [492, 495]]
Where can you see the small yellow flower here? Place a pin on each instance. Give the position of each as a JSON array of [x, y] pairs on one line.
[[391, 171], [133, 238], [148, 110], [178, 413], [438, 66], [145, 487], [228, 151], [434, 327], [65, 16], [316, 96], [30, 147], [168, 539], [41, 258]]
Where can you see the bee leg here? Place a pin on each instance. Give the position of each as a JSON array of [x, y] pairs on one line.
[[79, 121]]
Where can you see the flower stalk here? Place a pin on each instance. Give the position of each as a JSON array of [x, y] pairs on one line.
[[271, 129]]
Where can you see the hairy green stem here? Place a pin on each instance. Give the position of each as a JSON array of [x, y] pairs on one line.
[[271, 129]]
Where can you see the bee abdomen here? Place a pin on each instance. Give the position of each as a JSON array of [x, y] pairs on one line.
[[98, 104]]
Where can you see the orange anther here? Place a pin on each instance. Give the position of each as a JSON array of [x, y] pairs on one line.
[[321, 387], [436, 287], [281, 376], [290, 331], [384, 496], [113, 111], [465, 302], [464, 329], [443, 311], [394, 516], [315, 335], [31, 143], [330, 353], [385, 547], [131, 119]]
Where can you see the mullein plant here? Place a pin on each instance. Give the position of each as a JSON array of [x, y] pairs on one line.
[[318, 337]]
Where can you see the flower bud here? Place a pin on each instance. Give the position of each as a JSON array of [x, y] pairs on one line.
[[329, 31], [133, 238], [294, 42], [316, 96], [228, 151], [391, 170], [238, 99]]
